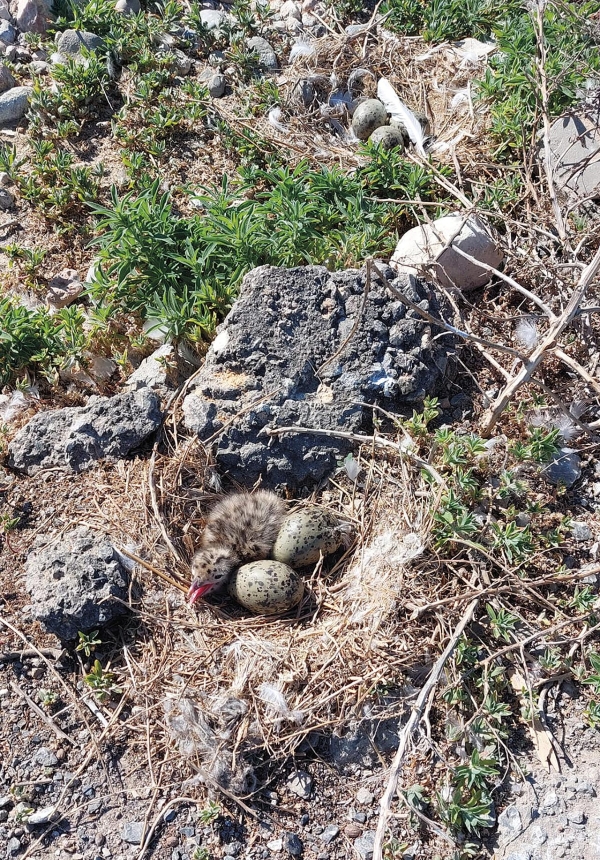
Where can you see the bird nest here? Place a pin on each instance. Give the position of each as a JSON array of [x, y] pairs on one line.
[[230, 690]]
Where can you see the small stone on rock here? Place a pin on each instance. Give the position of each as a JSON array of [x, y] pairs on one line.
[[564, 468], [300, 783], [132, 832], [45, 757]]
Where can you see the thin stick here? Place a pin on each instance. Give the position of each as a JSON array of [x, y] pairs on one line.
[[151, 568], [411, 725], [530, 364], [44, 717]]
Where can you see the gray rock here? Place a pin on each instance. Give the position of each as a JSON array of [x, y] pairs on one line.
[[216, 85], [577, 816], [6, 800], [550, 803], [300, 783], [180, 61], [76, 583], [271, 365], [6, 79], [6, 199], [39, 67], [42, 816], [537, 834], [5, 11], [581, 531], [71, 42], [14, 104], [564, 468], [574, 143], [132, 832], [329, 834], [266, 55], [76, 437], [153, 371], [33, 16], [365, 844], [509, 821], [292, 844], [359, 816], [13, 847], [45, 757], [8, 34]]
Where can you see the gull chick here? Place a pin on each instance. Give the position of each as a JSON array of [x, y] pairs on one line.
[[242, 527]]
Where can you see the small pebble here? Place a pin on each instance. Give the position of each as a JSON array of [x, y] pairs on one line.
[[352, 831], [132, 832], [292, 844], [329, 834], [364, 797], [300, 783]]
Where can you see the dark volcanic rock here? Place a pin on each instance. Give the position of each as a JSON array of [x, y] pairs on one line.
[[75, 437], [73, 582], [305, 347]]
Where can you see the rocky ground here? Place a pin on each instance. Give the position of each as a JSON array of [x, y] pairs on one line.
[[159, 739]]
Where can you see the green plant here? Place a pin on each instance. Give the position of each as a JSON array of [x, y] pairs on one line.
[[540, 448], [592, 715], [34, 337], [210, 813], [417, 425], [88, 642], [513, 541], [511, 83], [47, 698], [502, 622], [102, 682]]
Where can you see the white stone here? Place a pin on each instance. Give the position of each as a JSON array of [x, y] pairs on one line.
[[424, 248], [128, 7], [290, 10]]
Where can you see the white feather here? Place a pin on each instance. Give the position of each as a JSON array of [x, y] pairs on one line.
[[274, 119], [387, 94]]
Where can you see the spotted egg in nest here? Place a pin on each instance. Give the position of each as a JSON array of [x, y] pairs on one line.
[[307, 534], [266, 587]]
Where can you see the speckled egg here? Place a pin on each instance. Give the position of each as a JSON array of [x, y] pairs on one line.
[[368, 116], [387, 137], [266, 587], [305, 534]]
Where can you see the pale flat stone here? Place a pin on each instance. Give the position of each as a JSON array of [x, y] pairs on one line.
[[425, 248]]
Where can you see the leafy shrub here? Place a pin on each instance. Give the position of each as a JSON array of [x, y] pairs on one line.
[[184, 272], [34, 337]]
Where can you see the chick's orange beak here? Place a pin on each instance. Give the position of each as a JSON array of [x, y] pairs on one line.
[[197, 590]]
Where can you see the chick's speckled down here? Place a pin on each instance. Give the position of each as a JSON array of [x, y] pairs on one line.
[[266, 587]]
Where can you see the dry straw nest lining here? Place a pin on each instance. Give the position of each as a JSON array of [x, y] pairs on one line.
[[230, 689]]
